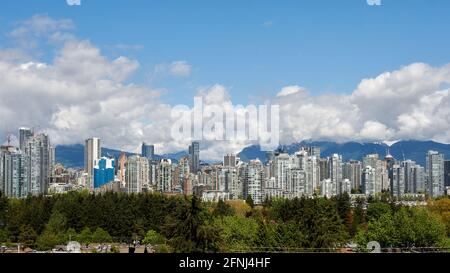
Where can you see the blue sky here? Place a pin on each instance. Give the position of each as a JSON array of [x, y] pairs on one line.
[[255, 48]]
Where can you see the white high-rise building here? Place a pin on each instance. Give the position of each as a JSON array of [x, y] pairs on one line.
[[369, 181], [328, 188], [164, 183], [254, 179], [312, 175], [419, 178], [229, 182], [37, 148], [92, 153], [346, 186], [14, 173], [398, 181], [136, 174], [24, 135], [335, 167], [435, 174], [298, 180], [282, 166], [183, 172], [414, 177], [352, 171], [381, 172]]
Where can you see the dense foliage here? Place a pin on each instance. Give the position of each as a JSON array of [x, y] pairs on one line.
[[185, 224]]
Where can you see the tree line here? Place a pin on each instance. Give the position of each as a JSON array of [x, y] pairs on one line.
[[185, 224]]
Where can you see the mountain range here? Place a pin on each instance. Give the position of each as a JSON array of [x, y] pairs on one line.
[[72, 156], [410, 149]]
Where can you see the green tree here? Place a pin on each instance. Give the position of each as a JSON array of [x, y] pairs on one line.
[[189, 230], [321, 224], [14, 219], [344, 208], [267, 202], [249, 201], [289, 238], [427, 229], [265, 237], [223, 209], [85, 236], [3, 210], [57, 223], [382, 230], [70, 235], [407, 228], [101, 236], [47, 241], [154, 238], [27, 236], [4, 236], [237, 233], [441, 208], [376, 210]]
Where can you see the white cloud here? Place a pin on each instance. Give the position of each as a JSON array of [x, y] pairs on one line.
[[174, 69], [74, 2], [27, 33], [290, 90], [373, 130], [180, 68], [405, 104]]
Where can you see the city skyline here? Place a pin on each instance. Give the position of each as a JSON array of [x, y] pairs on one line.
[[77, 81], [32, 168]]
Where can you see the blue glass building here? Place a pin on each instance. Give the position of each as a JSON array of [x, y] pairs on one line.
[[103, 172], [148, 151]]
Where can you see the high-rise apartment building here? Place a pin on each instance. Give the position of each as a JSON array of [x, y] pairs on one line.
[[24, 135], [37, 148], [283, 164], [312, 172], [182, 173], [435, 174], [14, 173], [194, 157], [254, 176], [381, 172], [298, 180], [328, 188], [164, 183], [352, 171], [229, 160], [335, 168], [369, 181], [447, 173], [136, 174], [313, 151], [398, 181], [323, 169]]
